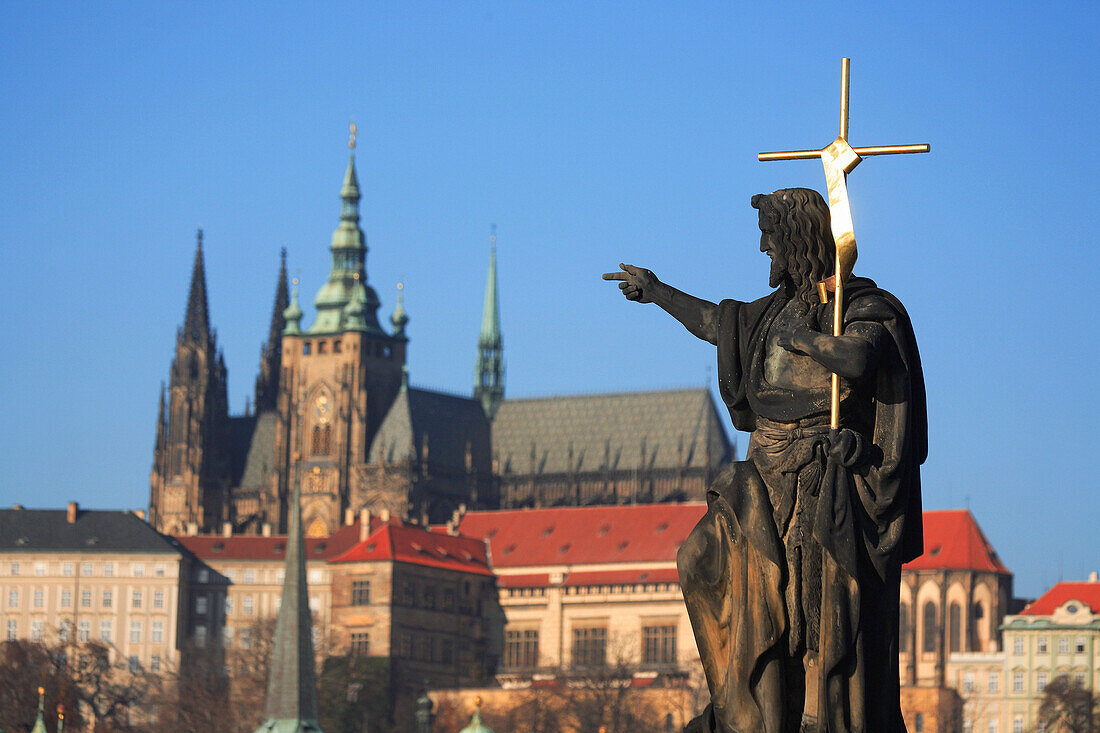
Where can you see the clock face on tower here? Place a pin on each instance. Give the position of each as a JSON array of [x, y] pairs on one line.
[[322, 409]]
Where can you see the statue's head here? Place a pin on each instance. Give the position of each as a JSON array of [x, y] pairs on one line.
[[795, 233]]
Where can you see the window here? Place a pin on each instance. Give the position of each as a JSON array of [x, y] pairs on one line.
[[84, 631], [360, 592], [86, 569], [66, 568], [135, 664], [315, 604], [200, 635], [137, 569], [66, 598], [1018, 645], [280, 576], [203, 575], [1018, 724], [227, 637], [231, 576], [105, 631], [305, 349], [39, 598], [108, 599], [930, 630], [408, 593], [85, 599], [64, 630], [200, 605], [954, 627], [13, 598], [136, 599], [228, 605], [1041, 645], [405, 645], [521, 648], [1079, 679], [448, 599], [250, 576], [659, 644], [246, 638], [247, 606], [968, 681], [316, 577], [158, 570], [1017, 681], [1079, 645], [108, 570], [158, 599], [447, 652], [157, 635], [360, 643], [919, 721], [1063, 645], [1041, 681], [135, 632], [589, 646], [994, 726], [40, 569], [993, 682], [154, 663], [13, 629], [14, 568], [429, 597], [36, 630], [322, 440]]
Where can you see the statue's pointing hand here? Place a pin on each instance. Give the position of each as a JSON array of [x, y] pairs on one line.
[[637, 283]]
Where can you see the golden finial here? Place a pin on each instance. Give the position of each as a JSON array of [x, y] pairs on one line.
[[400, 286], [477, 701], [355, 275], [294, 281], [351, 137], [41, 690]]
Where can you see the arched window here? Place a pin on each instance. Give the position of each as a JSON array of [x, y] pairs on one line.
[[322, 440], [930, 629], [903, 627], [954, 628]]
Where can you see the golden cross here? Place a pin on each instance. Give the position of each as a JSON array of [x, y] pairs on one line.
[[839, 159]]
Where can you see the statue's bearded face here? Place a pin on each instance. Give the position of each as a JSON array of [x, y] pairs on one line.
[[772, 246]]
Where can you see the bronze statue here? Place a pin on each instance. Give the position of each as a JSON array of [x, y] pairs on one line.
[[791, 578]]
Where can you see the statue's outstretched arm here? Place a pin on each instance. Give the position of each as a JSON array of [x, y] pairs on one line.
[[699, 316]]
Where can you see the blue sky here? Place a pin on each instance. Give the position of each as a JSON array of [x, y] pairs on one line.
[[590, 133]]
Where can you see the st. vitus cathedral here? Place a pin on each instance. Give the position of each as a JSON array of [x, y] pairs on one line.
[[334, 411]]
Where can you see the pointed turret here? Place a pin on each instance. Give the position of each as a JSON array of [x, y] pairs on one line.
[[349, 259], [293, 313], [291, 703], [271, 355], [489, 370], [196, 324], [399, 318]]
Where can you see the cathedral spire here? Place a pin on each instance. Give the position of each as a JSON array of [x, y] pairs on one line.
[[489, 370], [271, 354], [291, 703], [399, 318], [196, 324]]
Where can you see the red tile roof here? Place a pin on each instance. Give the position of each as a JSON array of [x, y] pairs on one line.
[[1086, 593], [622, 577], [953, 541], [412, 544], [524, 580], [578, 535], [253, 547]]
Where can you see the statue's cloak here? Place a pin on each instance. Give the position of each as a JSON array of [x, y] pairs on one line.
[[867, 522]]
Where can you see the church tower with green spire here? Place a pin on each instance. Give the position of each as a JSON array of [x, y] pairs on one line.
[[339, 376], [188, 481], [489, 369]]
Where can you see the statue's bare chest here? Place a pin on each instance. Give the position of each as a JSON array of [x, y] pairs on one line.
[[787, 369]]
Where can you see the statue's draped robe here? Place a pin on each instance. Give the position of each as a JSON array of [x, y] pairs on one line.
[[798, 553]]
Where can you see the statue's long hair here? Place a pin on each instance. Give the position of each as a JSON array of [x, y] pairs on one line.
[[800, 218]]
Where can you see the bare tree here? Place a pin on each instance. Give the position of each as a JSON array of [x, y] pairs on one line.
[[1067, 707]]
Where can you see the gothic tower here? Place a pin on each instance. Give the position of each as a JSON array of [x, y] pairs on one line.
[[489, 369], [271, 353], [339, 376], [188, 481]]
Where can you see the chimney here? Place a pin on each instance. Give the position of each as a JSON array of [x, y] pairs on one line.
[[71, 514], [227, 529], [349, 516], [364, 524], [192, 529], [139, 513], [265, 530], [1093, 577], [385, 516]]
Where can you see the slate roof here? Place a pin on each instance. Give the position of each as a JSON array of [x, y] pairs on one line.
[[35, 530], [665, 422], [953, 541], [1086, 593], [238, 441], [525, 538], [448, 421], [260, 449]]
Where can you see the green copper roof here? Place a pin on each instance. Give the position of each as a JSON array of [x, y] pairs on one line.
[[476, 726], [399, 317], [39, 723], [490, 312], [489, 368], [349, 269], [293, 313]]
